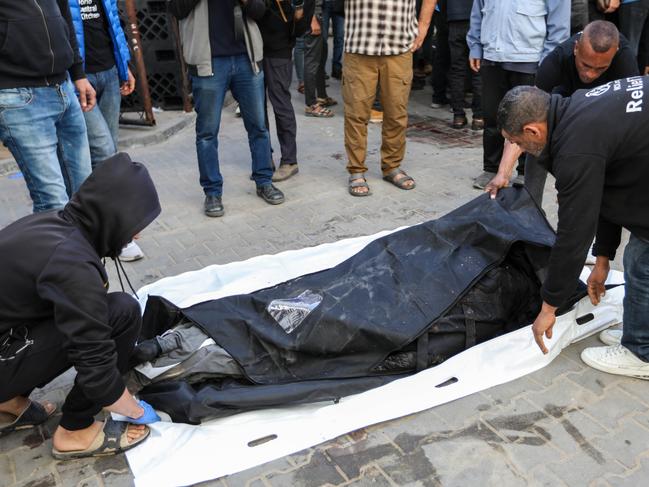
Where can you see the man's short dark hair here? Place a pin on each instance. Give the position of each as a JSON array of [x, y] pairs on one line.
[[602, 35], [520, 106]]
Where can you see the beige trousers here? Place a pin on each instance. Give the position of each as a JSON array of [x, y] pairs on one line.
[[361, 76]]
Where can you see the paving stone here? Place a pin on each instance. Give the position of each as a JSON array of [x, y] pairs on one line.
[[31, 463], [72, 472], [595, 381], [583, 470], [472, 461], [241, 479], [609, 410], [635, 478], [563, 393], [626, 444], [6, 470], [557, 368], [319, 471], [352, 458], [458, 413], [371, 477], [542, 477], [46, 480]]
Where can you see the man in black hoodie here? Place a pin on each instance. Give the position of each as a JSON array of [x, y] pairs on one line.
[[55, 311], [41, 121], [596, 146]]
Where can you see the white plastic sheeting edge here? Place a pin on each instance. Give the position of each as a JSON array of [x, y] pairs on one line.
[[179, 454]]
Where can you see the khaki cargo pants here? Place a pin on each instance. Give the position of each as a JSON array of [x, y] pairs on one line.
[[361, 76]]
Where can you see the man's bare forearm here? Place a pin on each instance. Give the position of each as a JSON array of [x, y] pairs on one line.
[[511, 153]]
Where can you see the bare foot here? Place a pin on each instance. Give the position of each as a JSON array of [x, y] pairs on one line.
[[19, 404], [67, 440]]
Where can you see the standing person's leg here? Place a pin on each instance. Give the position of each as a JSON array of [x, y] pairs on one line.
[[327, 18], [494, 87], [579, 16], [517, 79], [28, 129], [395, 77], [209, 94], [338, 23], [632, 17], [320, 79], [441, 62], [73, 148], [635, 332], [100, 139], [535, 176], [313, 76], [457, 73], [631, 358], [298, 59], [248, 89], [110, 102], [277, 72], [360, 79]]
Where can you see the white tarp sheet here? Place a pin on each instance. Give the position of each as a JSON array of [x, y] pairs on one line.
[[180, 454]]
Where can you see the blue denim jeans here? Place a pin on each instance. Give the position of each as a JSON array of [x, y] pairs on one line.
[[103, 120], [338, 26], [45, 131], [635, 335], [232, 73]]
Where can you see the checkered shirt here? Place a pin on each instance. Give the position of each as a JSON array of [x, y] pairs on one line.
[[379, 27]]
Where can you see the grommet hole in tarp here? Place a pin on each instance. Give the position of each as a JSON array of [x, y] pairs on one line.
[[262, 440], [582, 320], [447, 382]]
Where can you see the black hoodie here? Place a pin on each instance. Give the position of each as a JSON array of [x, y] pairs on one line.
[[37, 44], [598, 151], [52, 270]]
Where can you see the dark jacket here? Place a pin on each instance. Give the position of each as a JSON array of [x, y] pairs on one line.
[[38, 46], [279, 35], [558, 72], [52, 270], [598, 151]]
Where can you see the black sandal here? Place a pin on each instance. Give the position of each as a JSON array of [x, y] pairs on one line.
[[391, 177], [33, 415], [111, 440]]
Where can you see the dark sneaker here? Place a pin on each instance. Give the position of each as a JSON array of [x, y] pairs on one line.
[[477, 124], [270, 194], [481, 181], [213, 206], [337, 73], [284, 172], [459, 121]]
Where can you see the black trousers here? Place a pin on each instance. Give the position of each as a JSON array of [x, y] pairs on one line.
[[441, 59], [45, 359], [314, 69], [278, 74], [457, 31], [497, 81]]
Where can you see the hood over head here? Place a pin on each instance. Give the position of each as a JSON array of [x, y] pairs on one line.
[[115, 203]]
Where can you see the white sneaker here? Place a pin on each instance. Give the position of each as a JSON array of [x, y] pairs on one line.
[[611, 336], [616, 360], [131, 252]]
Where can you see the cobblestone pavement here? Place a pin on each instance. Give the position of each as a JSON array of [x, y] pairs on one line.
[[565, 425]]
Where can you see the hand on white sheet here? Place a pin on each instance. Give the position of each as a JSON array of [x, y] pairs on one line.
[[543, 325]]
